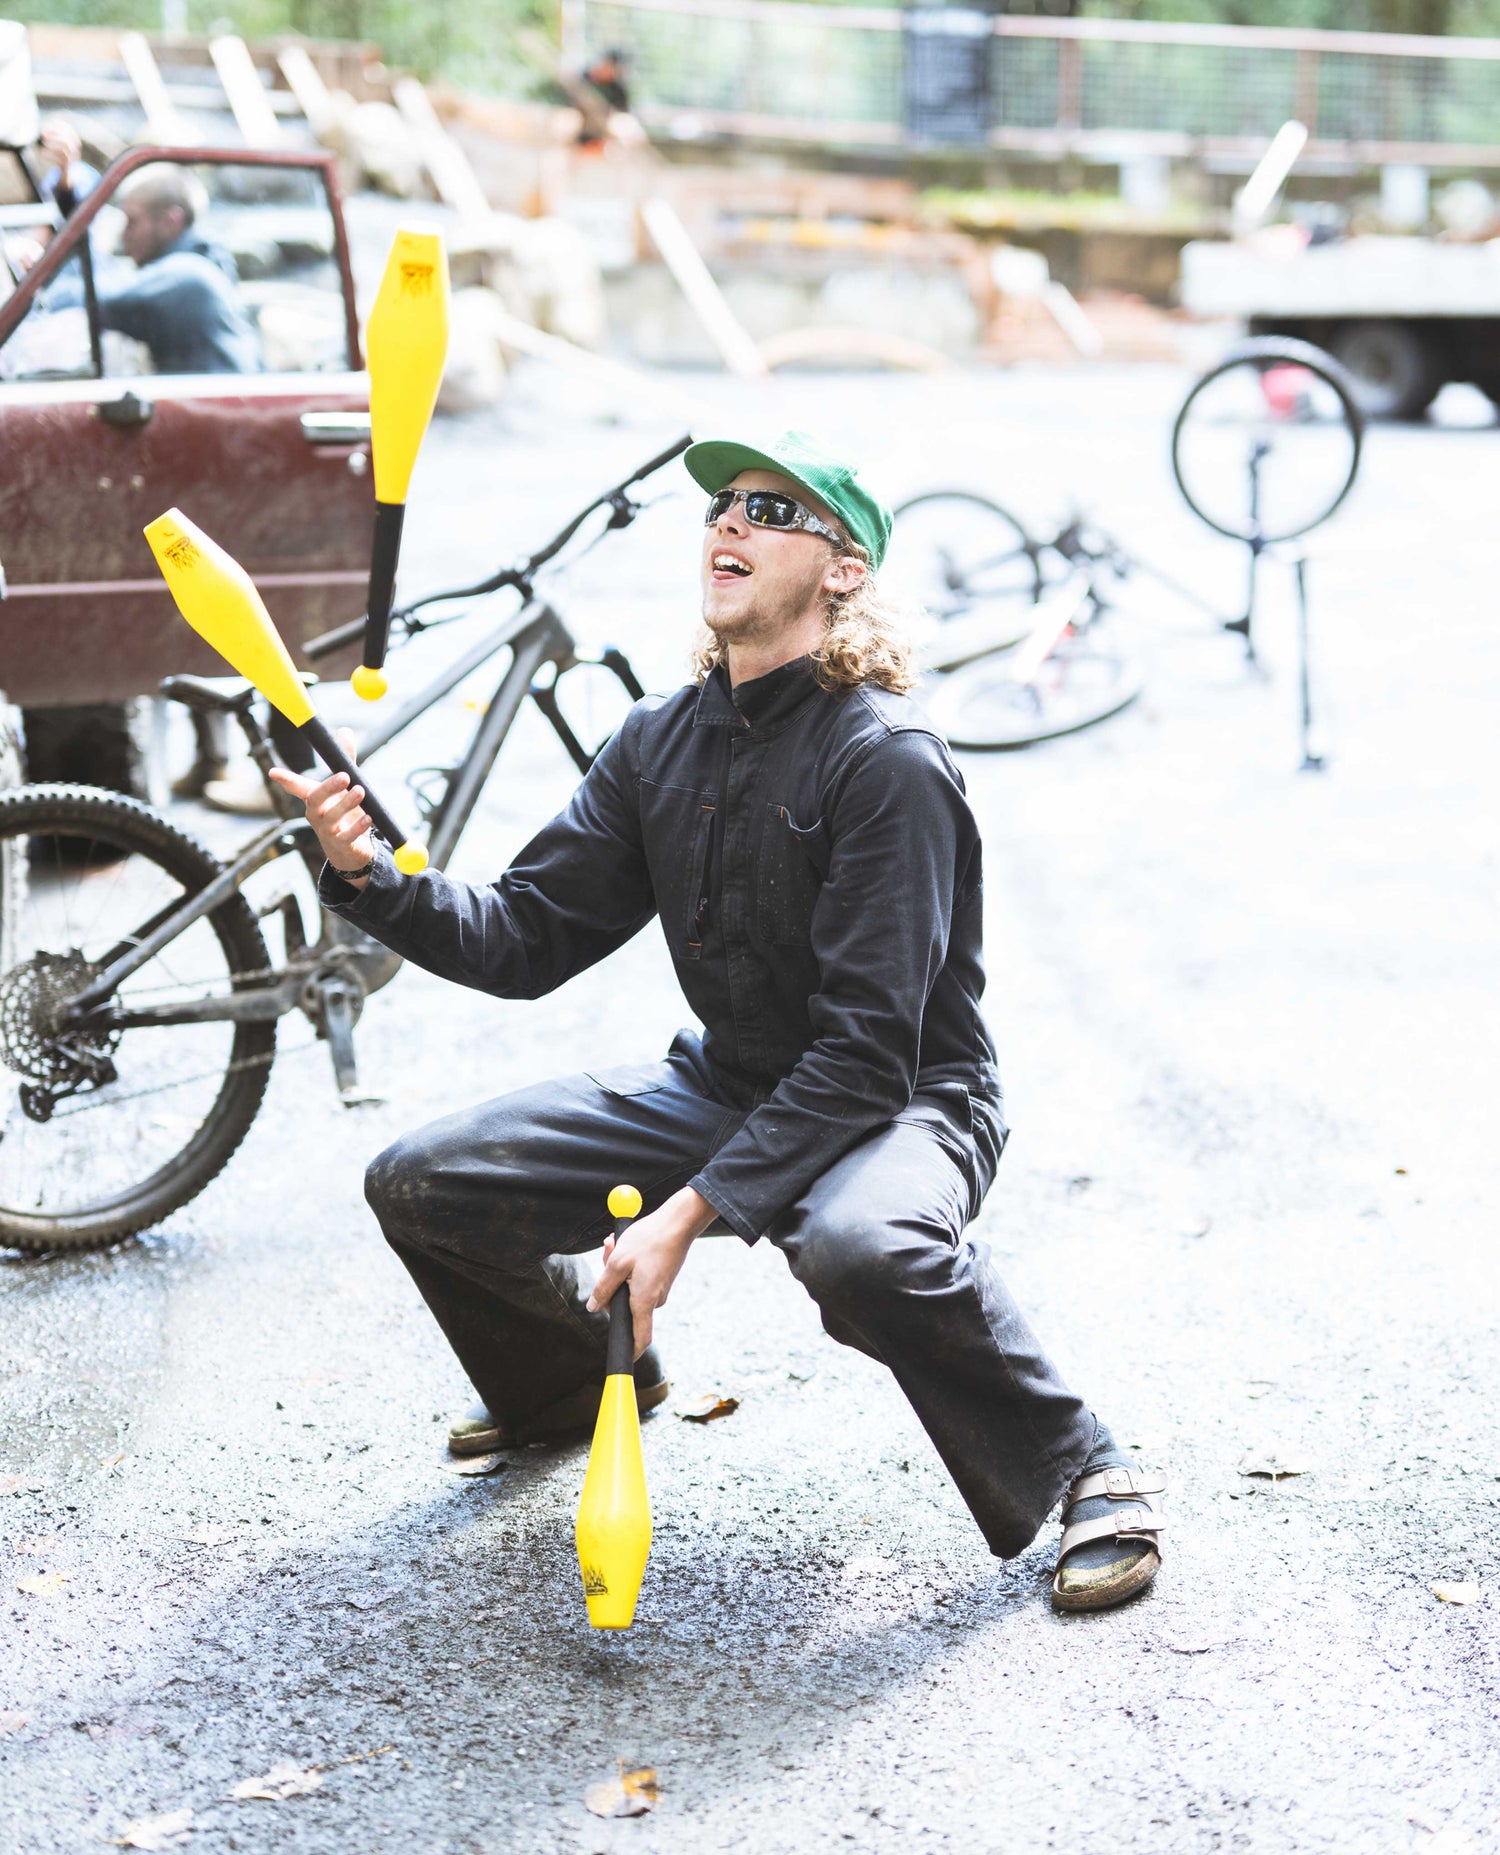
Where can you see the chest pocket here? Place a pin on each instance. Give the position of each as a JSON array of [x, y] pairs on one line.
[[790, 873]]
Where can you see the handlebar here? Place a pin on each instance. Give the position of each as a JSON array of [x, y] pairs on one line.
[[616, 499], [329, 641]]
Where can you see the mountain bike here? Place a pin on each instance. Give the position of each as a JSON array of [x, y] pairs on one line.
[[1265, 447], [138, 997]]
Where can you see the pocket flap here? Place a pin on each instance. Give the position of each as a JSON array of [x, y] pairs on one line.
[[627, 1079]]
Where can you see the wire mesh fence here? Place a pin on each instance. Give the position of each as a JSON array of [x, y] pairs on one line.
[[842, 73]]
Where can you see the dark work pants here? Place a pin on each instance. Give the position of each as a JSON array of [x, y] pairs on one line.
[[489, 1209]]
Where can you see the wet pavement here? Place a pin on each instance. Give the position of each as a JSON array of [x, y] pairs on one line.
[[1245, 1017]]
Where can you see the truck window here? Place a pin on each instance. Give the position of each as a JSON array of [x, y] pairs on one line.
[[212, 269]]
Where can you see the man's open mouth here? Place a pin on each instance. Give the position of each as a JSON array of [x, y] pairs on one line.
[[731, 563]]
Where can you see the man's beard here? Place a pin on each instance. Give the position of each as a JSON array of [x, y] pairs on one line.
[[748, 626]]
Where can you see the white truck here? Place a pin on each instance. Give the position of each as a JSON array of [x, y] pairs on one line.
[[1404, 315]]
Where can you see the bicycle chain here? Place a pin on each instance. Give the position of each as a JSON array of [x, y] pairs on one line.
[[294, 969]]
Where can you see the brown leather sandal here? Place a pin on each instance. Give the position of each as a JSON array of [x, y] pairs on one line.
[[1141, 1521]]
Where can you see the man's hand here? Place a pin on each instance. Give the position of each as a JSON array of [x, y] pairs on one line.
[[333, 810], [649, 1256]]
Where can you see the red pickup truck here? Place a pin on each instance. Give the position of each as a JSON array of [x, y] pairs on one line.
[[98, 435]]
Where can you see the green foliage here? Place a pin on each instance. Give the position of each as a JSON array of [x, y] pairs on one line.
[[472, 41]]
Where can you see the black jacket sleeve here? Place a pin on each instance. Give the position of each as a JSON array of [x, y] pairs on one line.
[[577, 891], [902, 840]]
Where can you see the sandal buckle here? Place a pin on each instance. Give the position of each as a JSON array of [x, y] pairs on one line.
[[1119, 1481]]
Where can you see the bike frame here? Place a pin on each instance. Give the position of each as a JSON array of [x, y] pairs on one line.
[[535, 636]]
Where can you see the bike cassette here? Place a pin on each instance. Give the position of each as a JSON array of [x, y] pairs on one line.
[[38, 1041]]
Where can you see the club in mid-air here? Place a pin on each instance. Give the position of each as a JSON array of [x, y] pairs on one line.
[[613, 1529], [406, 343], [218, 599]]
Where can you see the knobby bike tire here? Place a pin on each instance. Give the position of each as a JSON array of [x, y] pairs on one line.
[[1285, 350], [125, 824]]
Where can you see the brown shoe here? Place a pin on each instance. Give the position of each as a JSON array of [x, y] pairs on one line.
[[478, 1433]]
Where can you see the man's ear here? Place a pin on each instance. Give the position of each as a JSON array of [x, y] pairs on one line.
[[844, 574]]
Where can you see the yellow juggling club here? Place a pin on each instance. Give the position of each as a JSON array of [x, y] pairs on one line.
[[613, 1529], [406, 343], [218, 599]]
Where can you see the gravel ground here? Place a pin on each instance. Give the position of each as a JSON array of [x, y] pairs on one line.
[[1245, 1017]]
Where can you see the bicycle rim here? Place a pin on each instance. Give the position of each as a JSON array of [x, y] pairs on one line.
[[1267, 444], [982, 707], [140, 1119], [955, 554]]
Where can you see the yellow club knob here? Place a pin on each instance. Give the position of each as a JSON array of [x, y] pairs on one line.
[[411, 859], [624, 1201], [369, 685]]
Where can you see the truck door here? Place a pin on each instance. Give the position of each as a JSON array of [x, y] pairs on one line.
[[260, 434]]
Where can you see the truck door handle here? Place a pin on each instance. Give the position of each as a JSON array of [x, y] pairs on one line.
[[128, 410], [336, 427]]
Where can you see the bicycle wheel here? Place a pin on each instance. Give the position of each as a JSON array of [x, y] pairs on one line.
[[954, 554], [1267, 444], [984, 708], [103, 1131]]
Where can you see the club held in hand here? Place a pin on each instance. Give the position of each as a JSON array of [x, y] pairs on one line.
[[613, 1529], [218, 599]]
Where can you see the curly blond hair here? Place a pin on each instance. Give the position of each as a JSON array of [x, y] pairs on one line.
[[866, 639]]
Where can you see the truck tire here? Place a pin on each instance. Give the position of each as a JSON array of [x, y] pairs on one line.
[[1397, 371], [95, 744]]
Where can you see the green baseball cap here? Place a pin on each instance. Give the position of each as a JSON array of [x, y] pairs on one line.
[[716, 463]]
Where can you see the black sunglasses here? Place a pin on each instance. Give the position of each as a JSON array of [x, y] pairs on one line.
[[770, 509]]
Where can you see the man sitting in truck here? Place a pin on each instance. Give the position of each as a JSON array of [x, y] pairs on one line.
[[180, 297]]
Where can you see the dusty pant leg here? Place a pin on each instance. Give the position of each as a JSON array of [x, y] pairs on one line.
[[489, 1207], [878, 1242]]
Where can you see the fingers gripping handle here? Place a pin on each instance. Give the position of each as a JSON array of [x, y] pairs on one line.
[[385, 551], [411, 857]]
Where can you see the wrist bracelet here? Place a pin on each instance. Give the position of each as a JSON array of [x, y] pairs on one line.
[[353, 875]]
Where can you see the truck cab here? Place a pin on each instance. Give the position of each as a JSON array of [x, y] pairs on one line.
[[265, 443]]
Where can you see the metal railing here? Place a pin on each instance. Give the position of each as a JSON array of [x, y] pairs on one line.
[[836, 75]]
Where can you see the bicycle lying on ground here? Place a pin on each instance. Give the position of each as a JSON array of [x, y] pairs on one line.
[[1265, 446], [138, 998]]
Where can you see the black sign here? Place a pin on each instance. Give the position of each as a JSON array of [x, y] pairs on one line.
[[948, 77]]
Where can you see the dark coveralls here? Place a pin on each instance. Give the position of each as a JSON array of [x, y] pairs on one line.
[[816, 870]]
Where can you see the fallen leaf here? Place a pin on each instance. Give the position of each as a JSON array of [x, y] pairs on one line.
[[474, 1465], [207, 1535], [12, 1722], [44, 1584], [628, 1793], [280, 1782], [1457, 1593], [156, 1832], [715, 1404], [37, 1544], [114, 1461], [1273, 1464]]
